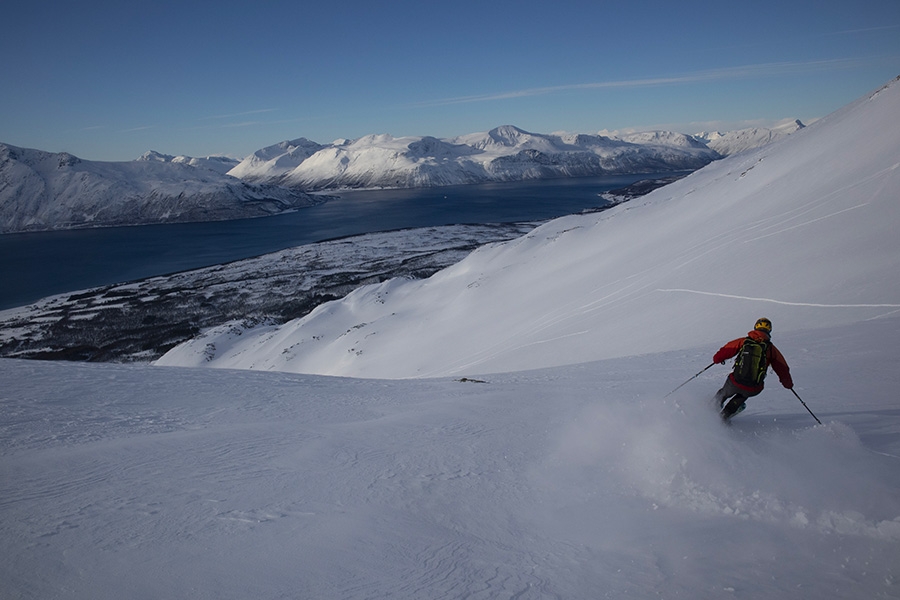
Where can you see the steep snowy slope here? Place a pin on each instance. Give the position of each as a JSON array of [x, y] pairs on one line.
[[503, 154], [802, 231], [40, 191]]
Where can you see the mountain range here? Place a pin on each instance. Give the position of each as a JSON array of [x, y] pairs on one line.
[[502, 154], [42, 190], [505, 153]]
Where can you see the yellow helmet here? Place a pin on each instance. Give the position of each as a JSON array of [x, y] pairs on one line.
[[763, 325]]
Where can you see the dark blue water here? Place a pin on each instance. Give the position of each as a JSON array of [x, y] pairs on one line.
[[35, 265]]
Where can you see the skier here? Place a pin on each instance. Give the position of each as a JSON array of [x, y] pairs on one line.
[[754, 355]]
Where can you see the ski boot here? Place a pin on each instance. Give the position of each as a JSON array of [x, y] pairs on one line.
[[734, 406]]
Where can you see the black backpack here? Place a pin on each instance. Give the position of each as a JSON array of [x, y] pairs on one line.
[[750, 365]]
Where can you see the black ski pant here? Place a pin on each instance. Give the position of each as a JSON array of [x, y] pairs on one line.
[[737, 397]]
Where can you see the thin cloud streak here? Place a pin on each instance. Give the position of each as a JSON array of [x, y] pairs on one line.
[[864, 30], [242, 114], [744, 72]]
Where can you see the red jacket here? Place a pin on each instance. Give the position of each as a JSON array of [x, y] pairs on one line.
[[773, 357]]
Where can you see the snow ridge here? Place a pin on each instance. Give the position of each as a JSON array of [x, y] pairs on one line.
[[505, 153]]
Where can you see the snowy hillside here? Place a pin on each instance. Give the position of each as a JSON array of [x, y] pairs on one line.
[[802, 231], [40, 191], [741, 140], [502, 154], [575, 482]]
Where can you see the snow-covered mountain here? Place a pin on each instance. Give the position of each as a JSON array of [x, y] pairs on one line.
[[42, 190], [502, 154], [663, 138], [741, 140], [272, 162], [219, 164], [580, 481], [802, 231]]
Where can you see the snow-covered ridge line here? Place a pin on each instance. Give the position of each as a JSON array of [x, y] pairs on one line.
[[43, 190], [505, 153]]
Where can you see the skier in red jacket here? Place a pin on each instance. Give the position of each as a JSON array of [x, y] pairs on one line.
[[754, 355]]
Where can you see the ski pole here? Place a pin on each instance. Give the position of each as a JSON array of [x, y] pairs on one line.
[[806, 407], [686, 382]]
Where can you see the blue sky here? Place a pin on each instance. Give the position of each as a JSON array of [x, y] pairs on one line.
[[109, 80]]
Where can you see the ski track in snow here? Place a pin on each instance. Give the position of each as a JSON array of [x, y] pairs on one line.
[[773, 301]]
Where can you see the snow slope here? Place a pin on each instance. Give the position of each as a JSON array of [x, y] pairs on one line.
[[41, 191], [576, 482], [503, 154], [802, 231]]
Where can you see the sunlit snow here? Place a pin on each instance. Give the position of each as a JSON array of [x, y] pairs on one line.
[[549, 460], [802, 231]]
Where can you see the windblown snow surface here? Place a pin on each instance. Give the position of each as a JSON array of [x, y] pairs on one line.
[[548, 459]]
